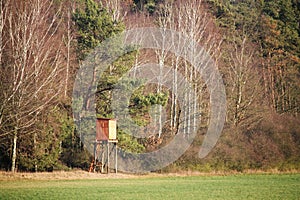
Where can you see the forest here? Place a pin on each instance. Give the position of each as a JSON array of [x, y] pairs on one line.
[[255, 45]]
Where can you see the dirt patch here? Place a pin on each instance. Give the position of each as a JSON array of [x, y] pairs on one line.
[[61, 175], [79, 174]]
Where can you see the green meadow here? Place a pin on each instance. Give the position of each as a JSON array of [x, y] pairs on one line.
[[274, 186]]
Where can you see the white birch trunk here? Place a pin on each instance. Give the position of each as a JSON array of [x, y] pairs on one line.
[[14, 152]]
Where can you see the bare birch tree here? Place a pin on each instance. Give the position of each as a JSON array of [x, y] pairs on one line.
[[31, 73], [192, 21], [3, 19], [117, 9], [68, 38], [245, 81]]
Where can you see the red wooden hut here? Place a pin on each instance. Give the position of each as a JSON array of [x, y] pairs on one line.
[[106, 129]]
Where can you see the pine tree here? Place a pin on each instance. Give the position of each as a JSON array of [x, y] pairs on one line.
[[94, 25]]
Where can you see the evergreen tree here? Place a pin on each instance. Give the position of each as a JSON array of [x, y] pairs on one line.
[[94, 24]]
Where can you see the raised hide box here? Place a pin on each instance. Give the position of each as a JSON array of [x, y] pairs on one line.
[[106, 129]]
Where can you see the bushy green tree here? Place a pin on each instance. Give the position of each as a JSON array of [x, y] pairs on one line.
[[94, 24]]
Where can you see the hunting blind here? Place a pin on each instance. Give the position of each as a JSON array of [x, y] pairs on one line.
[[105, 146]]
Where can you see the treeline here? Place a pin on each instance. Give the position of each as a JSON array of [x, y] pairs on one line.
[[260, 66], [256, 46]]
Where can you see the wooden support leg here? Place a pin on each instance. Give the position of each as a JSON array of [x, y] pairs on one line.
[[116, 158], [102, 158], [107, 157]]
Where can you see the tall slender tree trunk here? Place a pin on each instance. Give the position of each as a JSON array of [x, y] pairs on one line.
[[35, 152], [173, 116], [14, 153], [175, 92], [161, 65], [185, 114], [271, 82], [172, 101], [195, 114]]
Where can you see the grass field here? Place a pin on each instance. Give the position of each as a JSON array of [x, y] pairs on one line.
[[275, 186]]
